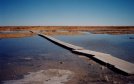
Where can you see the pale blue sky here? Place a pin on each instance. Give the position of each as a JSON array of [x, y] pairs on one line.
[[66, 12]]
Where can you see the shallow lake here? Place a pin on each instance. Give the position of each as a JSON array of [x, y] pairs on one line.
[[18, 56]]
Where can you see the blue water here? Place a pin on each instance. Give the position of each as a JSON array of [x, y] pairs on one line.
[[13, 49], [120, 46]]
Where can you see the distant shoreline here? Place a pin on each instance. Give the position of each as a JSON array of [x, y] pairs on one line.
[[92, 29]]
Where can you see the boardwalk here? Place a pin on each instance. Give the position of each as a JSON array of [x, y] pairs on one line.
[[67, 45], [107, 59], [110, 60]]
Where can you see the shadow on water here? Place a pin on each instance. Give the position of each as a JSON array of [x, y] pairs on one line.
[[56, 43], [111, 67]]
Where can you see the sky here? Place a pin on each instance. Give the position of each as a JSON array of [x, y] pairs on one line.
[[66, 12]]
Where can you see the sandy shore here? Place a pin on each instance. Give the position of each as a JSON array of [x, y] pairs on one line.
[[79, 70], [50, 76]]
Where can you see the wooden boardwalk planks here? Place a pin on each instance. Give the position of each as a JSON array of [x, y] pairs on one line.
[[109, 59], [120, 64]]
